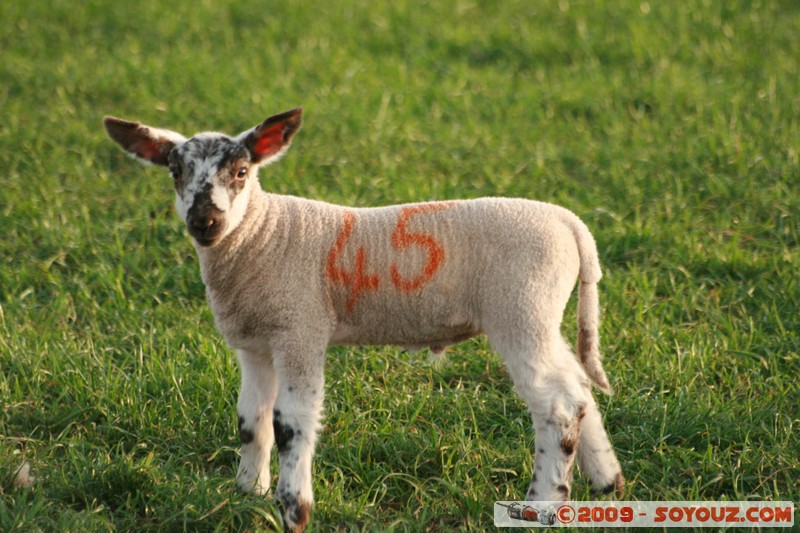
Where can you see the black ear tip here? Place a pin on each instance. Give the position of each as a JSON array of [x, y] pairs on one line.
[[117, 123], [295, 114]]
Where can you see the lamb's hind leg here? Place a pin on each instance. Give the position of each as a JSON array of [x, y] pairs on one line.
[[553, 385], [596, 456], [296, 422], [256, 401]]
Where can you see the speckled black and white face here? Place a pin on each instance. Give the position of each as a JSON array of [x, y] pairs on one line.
[[213, 173], [212, 176]]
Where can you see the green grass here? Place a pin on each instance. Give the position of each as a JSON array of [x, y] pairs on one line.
[[672, 129]]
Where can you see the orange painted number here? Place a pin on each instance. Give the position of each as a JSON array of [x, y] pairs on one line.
[[357, 280], [402, 239]]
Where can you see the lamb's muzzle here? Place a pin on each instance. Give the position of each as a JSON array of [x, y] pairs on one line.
[[286, 277], [205, 222]]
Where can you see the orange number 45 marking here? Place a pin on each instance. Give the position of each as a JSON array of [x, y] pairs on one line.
[[359, 281]]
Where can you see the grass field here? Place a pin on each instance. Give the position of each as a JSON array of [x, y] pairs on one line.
[[671, 128]]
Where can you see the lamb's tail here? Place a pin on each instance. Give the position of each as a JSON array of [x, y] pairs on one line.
[[588, 335], [588, 348]]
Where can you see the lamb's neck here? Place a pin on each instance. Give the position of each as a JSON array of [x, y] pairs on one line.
[[252, 237]]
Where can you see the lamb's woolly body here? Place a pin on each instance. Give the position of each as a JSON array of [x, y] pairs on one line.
[[491, 245], [286, 277]]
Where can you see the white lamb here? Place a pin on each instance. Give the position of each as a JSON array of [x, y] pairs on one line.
[[287, 277]]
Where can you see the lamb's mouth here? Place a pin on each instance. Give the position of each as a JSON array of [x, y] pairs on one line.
[[209, 236]]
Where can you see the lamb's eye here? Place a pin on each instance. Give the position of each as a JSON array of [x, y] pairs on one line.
[[242, 172], [175, 172]]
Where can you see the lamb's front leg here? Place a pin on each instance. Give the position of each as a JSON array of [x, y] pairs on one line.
[[256, 403], [296, 422]]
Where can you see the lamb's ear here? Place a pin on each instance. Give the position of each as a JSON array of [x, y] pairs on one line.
[[269, 140], [151, 145]]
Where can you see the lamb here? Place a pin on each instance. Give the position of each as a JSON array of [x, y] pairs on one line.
[[286, 277]]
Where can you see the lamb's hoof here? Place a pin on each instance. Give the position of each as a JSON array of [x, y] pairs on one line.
[[295, 510], [295, 516], [617, 487]]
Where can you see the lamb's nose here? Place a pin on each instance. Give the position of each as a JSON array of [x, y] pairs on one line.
[[203, 223]]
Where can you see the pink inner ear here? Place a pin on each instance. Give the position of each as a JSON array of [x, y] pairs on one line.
[[270, 141], [147, 149]]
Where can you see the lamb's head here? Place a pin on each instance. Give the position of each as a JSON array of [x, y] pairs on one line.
[[213, 172]]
